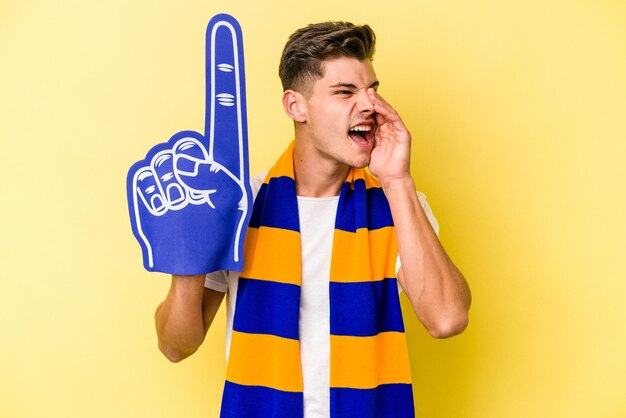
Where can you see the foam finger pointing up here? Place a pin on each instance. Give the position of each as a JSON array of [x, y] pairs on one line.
[[225, 126]]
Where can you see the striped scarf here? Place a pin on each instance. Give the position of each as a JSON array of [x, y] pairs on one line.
[[369, 367]]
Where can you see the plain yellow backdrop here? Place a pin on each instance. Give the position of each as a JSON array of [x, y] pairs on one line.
[[518, 114]]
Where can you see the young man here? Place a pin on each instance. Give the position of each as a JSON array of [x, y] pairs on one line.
[[314, 322]]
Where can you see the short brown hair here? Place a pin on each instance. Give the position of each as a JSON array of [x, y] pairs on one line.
[[307, 48]]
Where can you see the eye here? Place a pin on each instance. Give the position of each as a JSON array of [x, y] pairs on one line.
[[344, 92]]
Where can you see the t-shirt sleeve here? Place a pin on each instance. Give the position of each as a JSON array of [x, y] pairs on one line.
[[428, 211], [433, 223], [217, 280]]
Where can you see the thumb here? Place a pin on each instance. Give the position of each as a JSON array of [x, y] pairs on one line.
[[194, 168]]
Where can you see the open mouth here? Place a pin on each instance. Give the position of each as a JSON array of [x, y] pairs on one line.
[[361, 134]]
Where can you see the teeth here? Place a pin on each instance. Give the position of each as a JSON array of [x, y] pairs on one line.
[[362, 128]]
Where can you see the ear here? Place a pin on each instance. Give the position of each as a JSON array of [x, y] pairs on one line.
[[294, 105]]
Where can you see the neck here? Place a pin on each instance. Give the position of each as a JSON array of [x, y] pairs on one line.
[[316, 176]]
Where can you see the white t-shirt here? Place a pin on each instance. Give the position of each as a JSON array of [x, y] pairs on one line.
[[317, 223]]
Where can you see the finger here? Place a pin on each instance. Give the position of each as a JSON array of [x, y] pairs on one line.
[[148, 191], [381, 106], [189, 158], [385, 113], [163, 166], [225, 123]]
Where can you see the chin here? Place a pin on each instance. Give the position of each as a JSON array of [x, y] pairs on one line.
[[360, 158], [359, 163]]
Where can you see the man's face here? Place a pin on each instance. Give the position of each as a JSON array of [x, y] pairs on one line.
[[340, 120]]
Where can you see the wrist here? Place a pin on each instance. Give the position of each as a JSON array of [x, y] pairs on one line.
[[400, 183], [188, 283]]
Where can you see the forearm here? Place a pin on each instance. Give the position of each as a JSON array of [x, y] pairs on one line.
[[437, 290], [179, 321]]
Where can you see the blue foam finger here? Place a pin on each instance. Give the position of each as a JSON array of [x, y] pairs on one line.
[[225, 120], [189, 199]]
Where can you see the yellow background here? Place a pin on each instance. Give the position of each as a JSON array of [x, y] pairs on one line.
[[518, 113]]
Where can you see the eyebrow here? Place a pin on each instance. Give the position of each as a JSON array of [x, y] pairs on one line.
[[353, 87]]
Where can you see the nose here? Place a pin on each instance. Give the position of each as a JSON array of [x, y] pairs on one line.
[[363, 103]]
